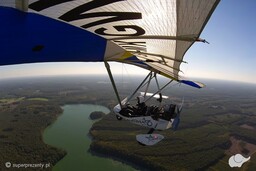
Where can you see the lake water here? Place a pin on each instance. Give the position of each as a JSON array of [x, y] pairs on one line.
[[70, 132]]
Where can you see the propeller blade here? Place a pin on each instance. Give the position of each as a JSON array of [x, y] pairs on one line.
[[181, 106]]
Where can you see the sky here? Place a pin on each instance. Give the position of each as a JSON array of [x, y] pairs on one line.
[[229, 56]]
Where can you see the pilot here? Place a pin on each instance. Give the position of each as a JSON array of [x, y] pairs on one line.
[[141, 106]]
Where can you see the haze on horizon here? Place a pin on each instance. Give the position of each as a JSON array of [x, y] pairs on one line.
[[229, 56]]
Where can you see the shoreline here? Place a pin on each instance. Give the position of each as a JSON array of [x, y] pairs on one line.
[[25, 124], [89, 152], [94, 151], [50, 146]]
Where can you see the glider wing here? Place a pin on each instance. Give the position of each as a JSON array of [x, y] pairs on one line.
[[153, 34]]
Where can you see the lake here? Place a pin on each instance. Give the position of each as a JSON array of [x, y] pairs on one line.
[[70, 132]]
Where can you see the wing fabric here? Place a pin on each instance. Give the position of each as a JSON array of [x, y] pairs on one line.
[[153, 34], [171, 27]]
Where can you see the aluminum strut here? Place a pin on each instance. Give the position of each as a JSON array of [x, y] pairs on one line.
[[160, 94], [148, 83], [157, 83], [113, 82], [141, 85]]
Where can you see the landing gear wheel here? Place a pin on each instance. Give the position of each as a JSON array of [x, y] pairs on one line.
[[118, 118]]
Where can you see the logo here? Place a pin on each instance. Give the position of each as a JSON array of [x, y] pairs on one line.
[[8, 164], [143, 121], [237, 160]]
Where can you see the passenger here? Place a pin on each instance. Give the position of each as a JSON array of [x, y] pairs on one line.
[[169, 111], [141, 106], [173, 111], [172, 108], [154, 112]]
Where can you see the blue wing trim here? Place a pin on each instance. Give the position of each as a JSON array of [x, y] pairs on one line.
[[192, 83], [30, 37]]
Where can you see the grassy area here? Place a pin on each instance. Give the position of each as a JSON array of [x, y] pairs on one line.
[[11, 100], [38, 99]]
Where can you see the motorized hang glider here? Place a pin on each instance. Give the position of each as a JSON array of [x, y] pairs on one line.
[[151, 34]]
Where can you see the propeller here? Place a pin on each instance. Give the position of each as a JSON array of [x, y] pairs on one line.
[[181, 106], [176, 120]]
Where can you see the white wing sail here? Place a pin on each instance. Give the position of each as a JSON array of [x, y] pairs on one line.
[[153, 34]]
